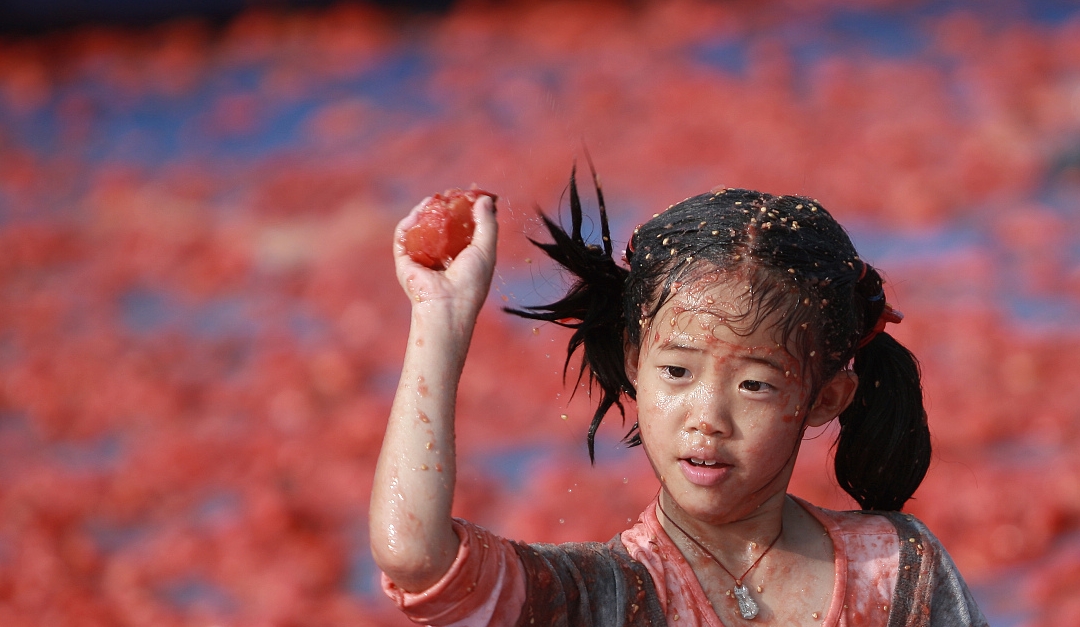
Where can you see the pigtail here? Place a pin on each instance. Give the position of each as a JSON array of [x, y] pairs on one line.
[[592, 307], [883, 450]]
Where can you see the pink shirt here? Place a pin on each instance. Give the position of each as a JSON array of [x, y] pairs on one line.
[[486, 583]]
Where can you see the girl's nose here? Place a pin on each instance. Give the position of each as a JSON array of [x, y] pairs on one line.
[[710, 416], [711, 426]]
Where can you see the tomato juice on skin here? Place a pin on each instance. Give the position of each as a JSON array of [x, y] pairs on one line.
[[716, 401]]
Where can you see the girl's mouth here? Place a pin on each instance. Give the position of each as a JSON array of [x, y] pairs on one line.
[[703, 472]]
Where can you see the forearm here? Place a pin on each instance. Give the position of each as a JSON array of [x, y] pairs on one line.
[[412, 538], [411, 535]]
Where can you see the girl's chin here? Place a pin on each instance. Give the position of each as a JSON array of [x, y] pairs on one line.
[[717, 503]]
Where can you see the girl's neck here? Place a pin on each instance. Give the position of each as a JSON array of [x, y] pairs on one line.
[[734, 541]]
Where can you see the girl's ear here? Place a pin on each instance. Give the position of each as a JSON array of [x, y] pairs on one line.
[[833, 398]]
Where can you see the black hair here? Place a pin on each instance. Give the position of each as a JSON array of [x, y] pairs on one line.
[[803, 270]]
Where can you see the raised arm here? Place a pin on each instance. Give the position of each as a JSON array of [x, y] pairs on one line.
[[412, 540]]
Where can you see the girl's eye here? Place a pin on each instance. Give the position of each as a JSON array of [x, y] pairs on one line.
[[754, 386], [674, 372]]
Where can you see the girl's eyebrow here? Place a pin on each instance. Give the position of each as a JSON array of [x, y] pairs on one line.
[[684, 343], [765, 361]]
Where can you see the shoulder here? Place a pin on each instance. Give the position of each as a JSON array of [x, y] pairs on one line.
[[929, 589], [904, 534], [946, 599], [853, 525], [906, 528]]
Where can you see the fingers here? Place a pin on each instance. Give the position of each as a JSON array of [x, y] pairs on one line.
[[486, 232]]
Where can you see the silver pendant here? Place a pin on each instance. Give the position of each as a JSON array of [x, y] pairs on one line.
[[747, 607]]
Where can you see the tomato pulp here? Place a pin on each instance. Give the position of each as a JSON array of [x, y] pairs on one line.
[[444, 228]]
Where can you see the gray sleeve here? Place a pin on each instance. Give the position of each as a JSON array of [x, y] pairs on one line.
[[951, 602], [929, 589], [586, 585]]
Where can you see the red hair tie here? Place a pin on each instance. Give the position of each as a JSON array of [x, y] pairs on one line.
[[887, 315]]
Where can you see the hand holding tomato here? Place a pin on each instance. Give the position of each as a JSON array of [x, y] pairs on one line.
[[445, 249], [444, 227]]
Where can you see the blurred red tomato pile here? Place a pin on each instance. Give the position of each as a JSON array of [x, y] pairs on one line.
[[200, 329]]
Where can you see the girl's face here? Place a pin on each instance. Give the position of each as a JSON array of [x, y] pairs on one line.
[[722, 407]]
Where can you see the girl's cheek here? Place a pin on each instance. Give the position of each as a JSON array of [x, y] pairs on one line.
[[795, 408], [790, 411], [661, 412], [664, 403]]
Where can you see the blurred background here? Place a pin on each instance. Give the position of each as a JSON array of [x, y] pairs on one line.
[[200, 328]]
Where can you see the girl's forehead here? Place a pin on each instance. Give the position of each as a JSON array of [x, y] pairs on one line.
[[725, 294], [717, 306]]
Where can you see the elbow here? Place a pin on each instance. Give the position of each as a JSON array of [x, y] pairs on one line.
[[412, 566], [409, 575], [397, 561]]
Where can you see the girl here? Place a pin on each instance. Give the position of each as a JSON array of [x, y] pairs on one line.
[[743, 319]]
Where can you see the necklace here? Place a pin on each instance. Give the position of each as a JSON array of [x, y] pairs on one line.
[[747, 606]]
